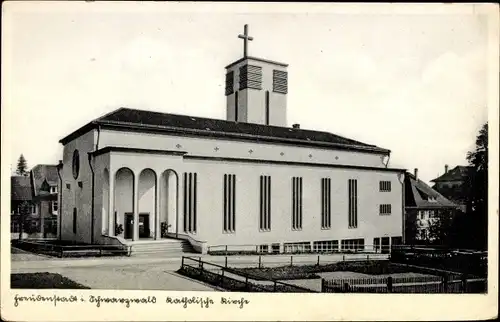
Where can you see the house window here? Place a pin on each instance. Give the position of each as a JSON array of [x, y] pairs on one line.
[[275, 248], [326, 203], [385, 209], [263, 248], [53, 189], [385, 186], [265, 203], [376, 244], [54, 206], [74, 220], [353, 203], [76, 164], [33, 209], [229, 202], [190, 197], [296, 203]]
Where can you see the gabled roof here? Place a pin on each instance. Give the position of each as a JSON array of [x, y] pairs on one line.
[[147, 121], [20, 188], [458, 173], [419, 194], [41, 173]]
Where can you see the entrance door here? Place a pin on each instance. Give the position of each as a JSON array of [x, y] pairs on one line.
[[144, 226], [385, 245], [129, 226]]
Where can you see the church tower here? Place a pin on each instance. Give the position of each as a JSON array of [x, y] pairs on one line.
[[256, 89]]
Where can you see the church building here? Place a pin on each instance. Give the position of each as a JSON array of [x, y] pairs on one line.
[[248, 182]]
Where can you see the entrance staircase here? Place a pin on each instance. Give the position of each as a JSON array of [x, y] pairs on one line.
[[162, 247]]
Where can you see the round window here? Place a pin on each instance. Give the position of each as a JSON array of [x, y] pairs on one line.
[[76, 164]]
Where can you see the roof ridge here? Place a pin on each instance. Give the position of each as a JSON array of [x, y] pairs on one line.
[[101, 119]]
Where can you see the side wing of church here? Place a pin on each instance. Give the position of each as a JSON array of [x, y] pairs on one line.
[[245, 182]]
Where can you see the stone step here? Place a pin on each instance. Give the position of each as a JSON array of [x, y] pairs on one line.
[[177, 247]]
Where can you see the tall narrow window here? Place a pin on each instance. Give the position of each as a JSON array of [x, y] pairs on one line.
[[265, 203], [385, 186], [296, 203], [353, 203], [267, 107], [74, 220], [229, 203], [190, 201], [326, 203], [236, 106]]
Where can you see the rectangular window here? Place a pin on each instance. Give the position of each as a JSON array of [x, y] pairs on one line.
[[250, 77], [229, 203], [353, 203], [229, 83], [54, 206], [74, 220], [326, 246], [263, 248], [376, 244], [53, 189], [385, 209], [326, 214], [300, 247], [296, 203], [354, 245], [190, 201], [280, 81], [265, 203], [385, 186], [275, 248]]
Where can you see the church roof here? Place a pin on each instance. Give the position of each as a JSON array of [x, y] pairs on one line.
[[148, 121]]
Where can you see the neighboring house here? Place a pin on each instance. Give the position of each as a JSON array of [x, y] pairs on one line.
[[424, 207], [21, 195], [453, 183], [44, 183], [249, 182]]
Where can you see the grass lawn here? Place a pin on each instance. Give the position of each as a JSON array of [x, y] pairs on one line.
[[310, 271], [43, 280]]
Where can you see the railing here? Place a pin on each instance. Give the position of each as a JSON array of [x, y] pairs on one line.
[[233, 280], [72, 250], [431, 284], [253, 249]]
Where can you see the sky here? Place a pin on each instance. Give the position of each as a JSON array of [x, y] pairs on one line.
[[412, 83]]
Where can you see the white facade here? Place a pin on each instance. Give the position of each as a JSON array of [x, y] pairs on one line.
[[153, 165]]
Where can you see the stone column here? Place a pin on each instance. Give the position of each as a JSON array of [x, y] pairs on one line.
[[136, 207], [157, 208], [111, 208]]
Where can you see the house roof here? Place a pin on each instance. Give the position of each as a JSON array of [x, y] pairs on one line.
[[20, 188], [41, 173], [417, 194], [458, 173], [147, 121]]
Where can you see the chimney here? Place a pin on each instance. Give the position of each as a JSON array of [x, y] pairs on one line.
[[445, 168], [296, 126], [416, 173]]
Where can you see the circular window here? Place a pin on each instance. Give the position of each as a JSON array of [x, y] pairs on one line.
[[76, 164]]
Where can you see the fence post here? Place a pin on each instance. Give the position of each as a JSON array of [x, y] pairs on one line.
[[274, 286], [343, 258], [182, 262], [291, 260], [346, 287], [464, 283], [445, 283], [318, 260], [389, 284], [222, 279], [367, 257], [322, 285], [260, 262], [246, 282], [225, 264]]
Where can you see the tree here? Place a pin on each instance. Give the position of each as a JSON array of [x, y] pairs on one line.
[[477, 192], [440, 227], [22, 166]]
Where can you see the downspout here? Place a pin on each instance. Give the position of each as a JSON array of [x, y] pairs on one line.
[[92, 212], [60, 208]]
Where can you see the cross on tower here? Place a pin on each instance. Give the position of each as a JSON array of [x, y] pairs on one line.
[[245, 38]]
